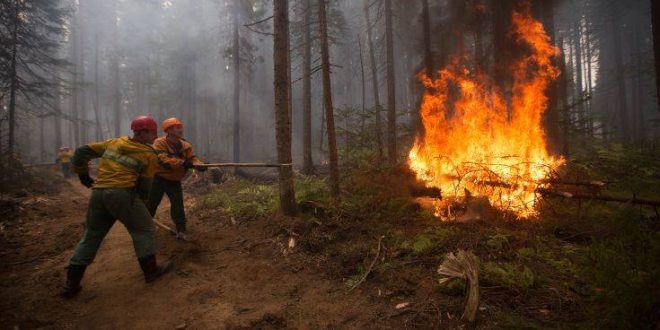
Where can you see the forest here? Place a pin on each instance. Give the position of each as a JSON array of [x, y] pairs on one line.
[[330, 164]]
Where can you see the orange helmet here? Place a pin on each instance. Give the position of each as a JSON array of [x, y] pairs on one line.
[[167, 123]]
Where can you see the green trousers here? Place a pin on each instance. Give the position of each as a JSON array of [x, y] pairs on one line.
[[66, 169], [174, 192], [105, 207]]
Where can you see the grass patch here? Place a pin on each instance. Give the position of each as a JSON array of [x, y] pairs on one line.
[[508, 274], [242, 199]]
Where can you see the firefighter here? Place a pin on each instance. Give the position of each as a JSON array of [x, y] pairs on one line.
[[175, 158], [125, 174], [64, 156]]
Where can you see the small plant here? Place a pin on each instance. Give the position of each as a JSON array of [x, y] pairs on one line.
[[504, 273]]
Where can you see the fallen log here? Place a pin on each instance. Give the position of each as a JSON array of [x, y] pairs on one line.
[[605, 198]]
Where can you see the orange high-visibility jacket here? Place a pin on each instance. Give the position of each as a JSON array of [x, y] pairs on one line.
[[171, 158]]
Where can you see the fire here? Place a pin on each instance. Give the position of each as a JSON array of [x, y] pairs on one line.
[[477, 141]]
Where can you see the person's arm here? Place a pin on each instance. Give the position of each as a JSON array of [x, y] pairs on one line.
[[164, 159], [81, 159], [144, 181], [84, 154], [193, 159]]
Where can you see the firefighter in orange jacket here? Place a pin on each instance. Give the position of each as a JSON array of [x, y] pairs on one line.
[[175, 158]]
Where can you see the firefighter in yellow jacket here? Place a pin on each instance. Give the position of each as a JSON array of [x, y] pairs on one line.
[[124, 178], [175, 158], [64, 156]]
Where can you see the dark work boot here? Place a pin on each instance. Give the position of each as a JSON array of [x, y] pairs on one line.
[[151, 269], [74, 275]]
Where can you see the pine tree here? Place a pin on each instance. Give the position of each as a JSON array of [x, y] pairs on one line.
[[31, 37]]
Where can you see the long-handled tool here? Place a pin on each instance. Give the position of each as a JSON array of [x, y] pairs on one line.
[[241, 165]]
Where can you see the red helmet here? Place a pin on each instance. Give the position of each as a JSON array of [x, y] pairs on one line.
[[144, 123]]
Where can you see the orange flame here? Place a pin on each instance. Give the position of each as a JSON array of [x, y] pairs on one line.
[[474, 140]]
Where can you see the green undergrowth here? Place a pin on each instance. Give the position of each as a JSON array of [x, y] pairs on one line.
[[601, 259]]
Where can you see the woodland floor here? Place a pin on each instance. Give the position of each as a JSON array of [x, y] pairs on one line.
[[241, 273]]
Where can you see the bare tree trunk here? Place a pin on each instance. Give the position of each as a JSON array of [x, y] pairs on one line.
[[428, 64], [57, 122], [655, 18], [282, 121], [13, 78], [563, 97], [75, 93], [327, 97], [308, 163], [552, 115], [114, 67], [579, 86], [501, 23], [374, 82], [588, 40], [97, 105], [363, 90], [237, 83], [42, 139], [638, 84], [622, 95], [82, 123], [391, 85]]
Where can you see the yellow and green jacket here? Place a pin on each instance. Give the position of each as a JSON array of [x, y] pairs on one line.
[[124, 164], [171, 158]]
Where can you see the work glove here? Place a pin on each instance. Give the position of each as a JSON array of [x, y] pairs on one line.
[[187, 164], [86, 180]]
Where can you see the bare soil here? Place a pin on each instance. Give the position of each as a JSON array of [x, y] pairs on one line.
[[234, 275]]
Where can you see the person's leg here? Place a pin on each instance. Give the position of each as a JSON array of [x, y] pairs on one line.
[[99, 221], [177, 211], [155, 195], [137, 220]]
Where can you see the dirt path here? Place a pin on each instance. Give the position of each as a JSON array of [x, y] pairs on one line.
[[235, 277]]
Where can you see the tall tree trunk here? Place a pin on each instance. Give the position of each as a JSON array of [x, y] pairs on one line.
[[479, 14], [501, 24], [374, 82], [391, 85], [237, 83], [563, 94], [327, 98], [42, 139], [308, 163], [57, 122], [282, 121], [589, 60], [622, 95], [114, 68], [363, 90], [638, 84], [13, 79], [97, 101], [75, 93], [552, 126], [655, 18], [579, 70], [428, 66]]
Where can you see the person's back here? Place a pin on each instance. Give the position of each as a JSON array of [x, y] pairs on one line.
[[122, 162]]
